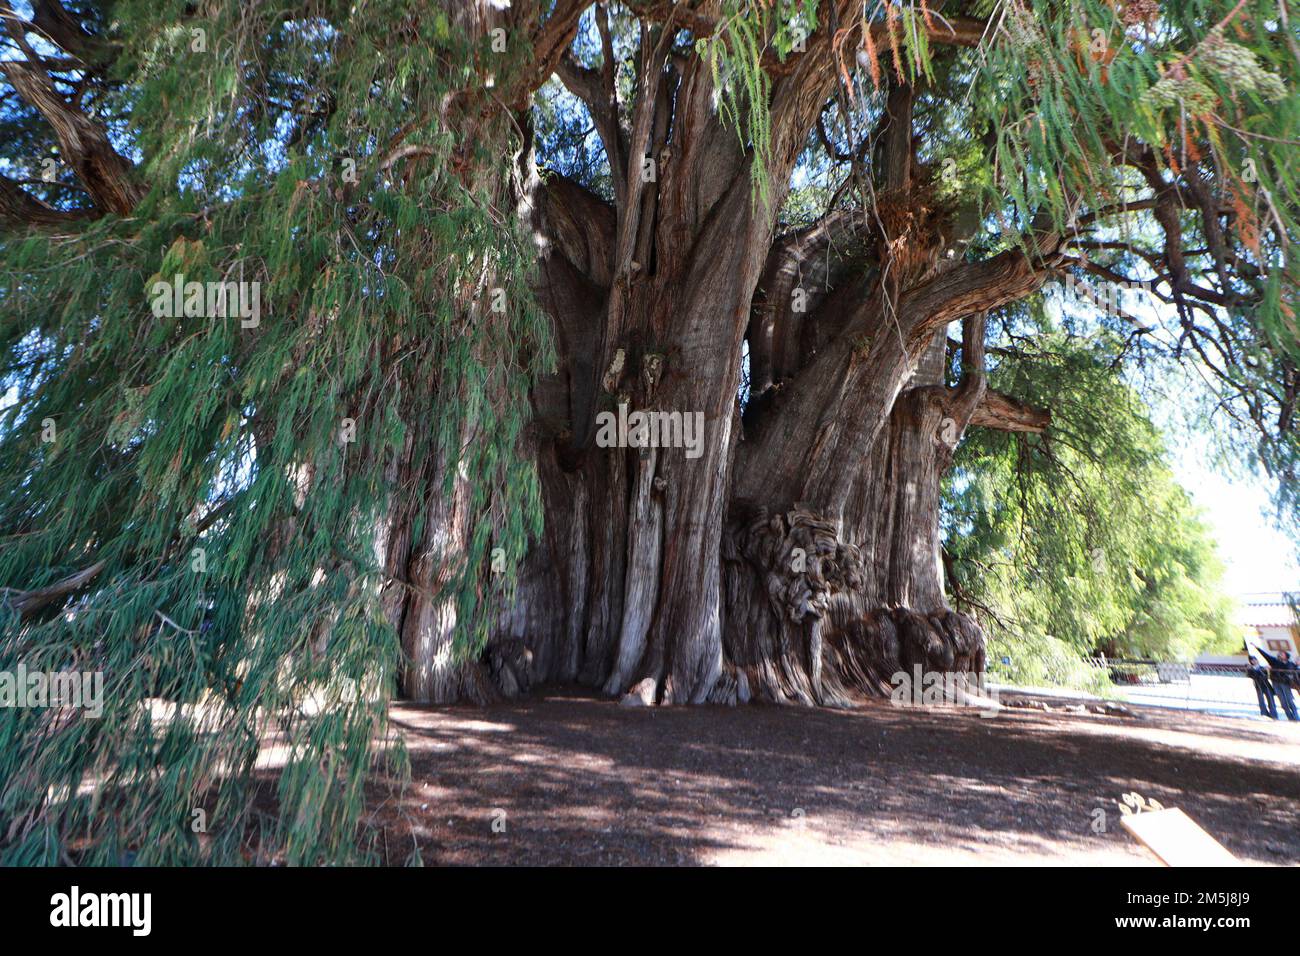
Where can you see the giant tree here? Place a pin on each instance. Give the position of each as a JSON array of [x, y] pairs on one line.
[[477, 230], [971, 152]]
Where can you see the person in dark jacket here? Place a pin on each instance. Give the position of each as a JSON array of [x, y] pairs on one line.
[[1263, 689], [1285, 675]]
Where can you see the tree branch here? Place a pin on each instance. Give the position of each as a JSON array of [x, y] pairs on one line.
[[548, 43], [595, 89], [27, 603], [84, 143], [18, 205], [1005, 413]]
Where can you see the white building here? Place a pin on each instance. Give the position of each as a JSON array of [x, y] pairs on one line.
[[1270, 622]]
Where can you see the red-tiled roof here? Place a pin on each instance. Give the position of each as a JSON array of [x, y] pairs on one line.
[[1266, 610]]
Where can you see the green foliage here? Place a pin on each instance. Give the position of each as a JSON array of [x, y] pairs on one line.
[[1206, 91], [269, 159], [1080, 540], [1034, 658]]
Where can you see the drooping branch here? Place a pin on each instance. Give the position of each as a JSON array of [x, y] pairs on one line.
[[1202, 266], [951, 31]]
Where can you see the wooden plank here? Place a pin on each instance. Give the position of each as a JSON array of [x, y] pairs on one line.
[[1176, 839]]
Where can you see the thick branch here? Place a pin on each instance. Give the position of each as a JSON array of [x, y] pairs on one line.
[[27, 603], [1001, 411], [84, 143], [599, 91], [589, 86], [548, 43], [18, 205], [51, 19], [974, 287], [969, 392]]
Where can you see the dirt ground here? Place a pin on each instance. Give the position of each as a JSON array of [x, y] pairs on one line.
[[567, 779]]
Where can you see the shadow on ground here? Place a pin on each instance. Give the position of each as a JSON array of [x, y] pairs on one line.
[[568, 779]]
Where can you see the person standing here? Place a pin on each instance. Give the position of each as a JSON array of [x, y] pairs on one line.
[[1284, 674], [1263, 689]]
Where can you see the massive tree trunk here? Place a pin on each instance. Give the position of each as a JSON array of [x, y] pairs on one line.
[[792, 554]]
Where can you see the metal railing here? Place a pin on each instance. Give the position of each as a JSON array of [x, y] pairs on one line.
[[1137, 671], [1222, 688]]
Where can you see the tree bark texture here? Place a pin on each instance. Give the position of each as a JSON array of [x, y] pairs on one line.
[[793, 556]]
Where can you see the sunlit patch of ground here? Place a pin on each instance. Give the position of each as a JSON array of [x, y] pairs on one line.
[[565, 779]]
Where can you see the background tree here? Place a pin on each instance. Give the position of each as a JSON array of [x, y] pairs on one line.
[[1079, 541], [396, 469]]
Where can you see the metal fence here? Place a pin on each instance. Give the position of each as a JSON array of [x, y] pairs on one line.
[[1133, 671], [1214, 688]]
